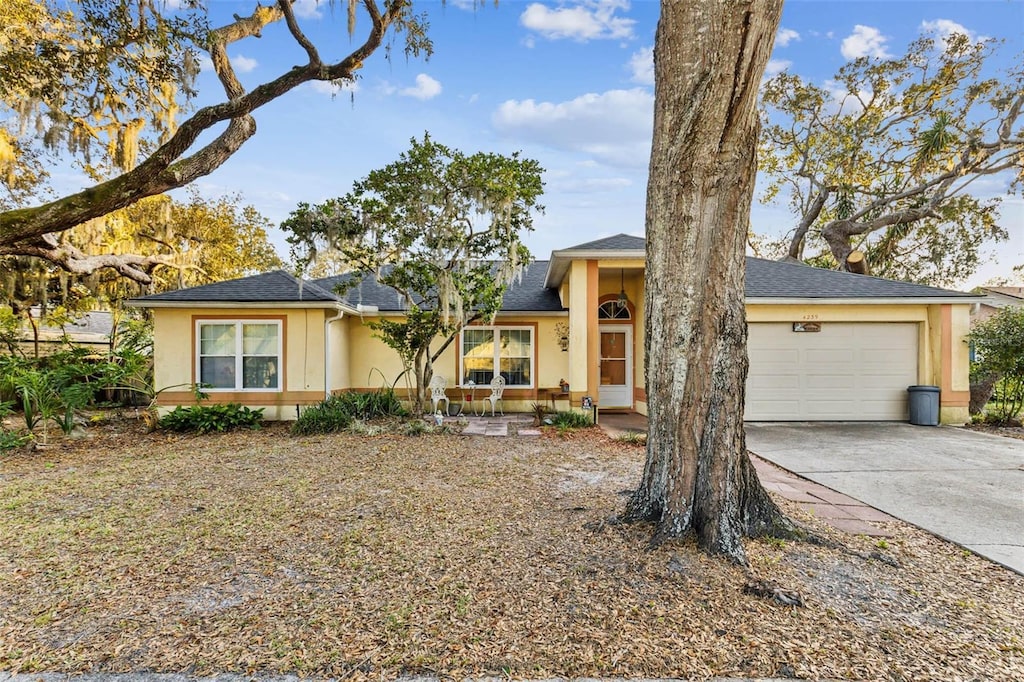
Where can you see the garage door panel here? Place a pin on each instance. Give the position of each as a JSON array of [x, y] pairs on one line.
[[829, 356], [847, 371], [829, 381]]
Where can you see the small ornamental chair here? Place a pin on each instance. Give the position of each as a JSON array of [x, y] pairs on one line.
[[497, 388], [437, 386]]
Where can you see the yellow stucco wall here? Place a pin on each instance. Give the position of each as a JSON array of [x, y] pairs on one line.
[[174, 358], [370, 358], [360, 361]]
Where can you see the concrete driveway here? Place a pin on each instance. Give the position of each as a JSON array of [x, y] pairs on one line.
[[964, 486]]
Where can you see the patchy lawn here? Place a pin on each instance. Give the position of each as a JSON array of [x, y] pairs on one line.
[[377, 556]]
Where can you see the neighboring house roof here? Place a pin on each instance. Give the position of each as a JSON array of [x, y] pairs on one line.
[[92, 327], [1001, 297], [766, 281], [270, 287]]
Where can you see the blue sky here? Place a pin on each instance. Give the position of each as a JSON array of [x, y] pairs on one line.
[[567, 83]]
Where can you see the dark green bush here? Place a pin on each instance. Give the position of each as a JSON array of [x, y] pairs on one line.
[[999, 347], [375, 405], [339, 411], [571, 420], [207, 418], [330, 416]]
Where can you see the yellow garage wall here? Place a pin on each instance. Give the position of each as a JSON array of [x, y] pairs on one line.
[[943, 355], [174, 358]]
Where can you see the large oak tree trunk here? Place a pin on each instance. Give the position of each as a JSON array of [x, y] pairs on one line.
[[709, 59]]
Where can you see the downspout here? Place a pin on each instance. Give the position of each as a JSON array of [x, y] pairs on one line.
[[327, 352], [361, 309]]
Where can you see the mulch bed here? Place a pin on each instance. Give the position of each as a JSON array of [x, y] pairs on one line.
[[1005, 431], [374, 557]]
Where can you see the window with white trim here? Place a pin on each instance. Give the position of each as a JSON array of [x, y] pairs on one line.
[[239, 355], [509, 349]]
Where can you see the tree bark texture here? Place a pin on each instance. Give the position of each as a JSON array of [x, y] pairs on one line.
[[709, 59]]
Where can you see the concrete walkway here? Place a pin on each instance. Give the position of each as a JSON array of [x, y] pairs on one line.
[[964, 486], [519, 425]]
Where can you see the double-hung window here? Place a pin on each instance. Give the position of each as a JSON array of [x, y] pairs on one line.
[[242, 355], [507, 350]]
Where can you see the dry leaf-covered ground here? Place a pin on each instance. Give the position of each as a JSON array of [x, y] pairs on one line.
[[377, 556]]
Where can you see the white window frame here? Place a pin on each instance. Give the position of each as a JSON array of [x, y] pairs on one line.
[[496, 330], [239, 356]]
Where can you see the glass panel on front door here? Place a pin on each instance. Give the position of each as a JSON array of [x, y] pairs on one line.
[[613, 358]]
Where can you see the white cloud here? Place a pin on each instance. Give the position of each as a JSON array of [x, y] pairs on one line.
[[613, 127], [572, 185], [776, 66], [332, 88], [307, 9], [243, 64], [642, 66], [865, 41], [586, 20], [944, 28], [785, 36], [425, 88]]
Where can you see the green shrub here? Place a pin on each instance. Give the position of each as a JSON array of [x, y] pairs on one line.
[[10, 440], [374, 405], [207, 418], [571, 420], [330, 416], [999, 346], [338, 412]]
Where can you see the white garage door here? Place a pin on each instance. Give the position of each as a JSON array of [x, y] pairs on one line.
[[846, 371]]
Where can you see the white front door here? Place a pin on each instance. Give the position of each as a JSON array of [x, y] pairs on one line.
[[616, 366]]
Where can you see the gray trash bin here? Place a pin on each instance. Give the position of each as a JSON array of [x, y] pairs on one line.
[[924, 405]]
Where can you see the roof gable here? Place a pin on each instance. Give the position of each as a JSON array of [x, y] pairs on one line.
[[618, 242]]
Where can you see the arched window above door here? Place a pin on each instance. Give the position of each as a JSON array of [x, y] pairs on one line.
[[611, 310]]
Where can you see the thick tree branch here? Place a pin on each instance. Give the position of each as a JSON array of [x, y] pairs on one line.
[[796, 244], [78, 262], [23, 231]]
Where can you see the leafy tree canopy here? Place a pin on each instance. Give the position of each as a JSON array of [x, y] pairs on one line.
[[107, 83], [999, 348], [441, 228], [191, 242], [887, 165]]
